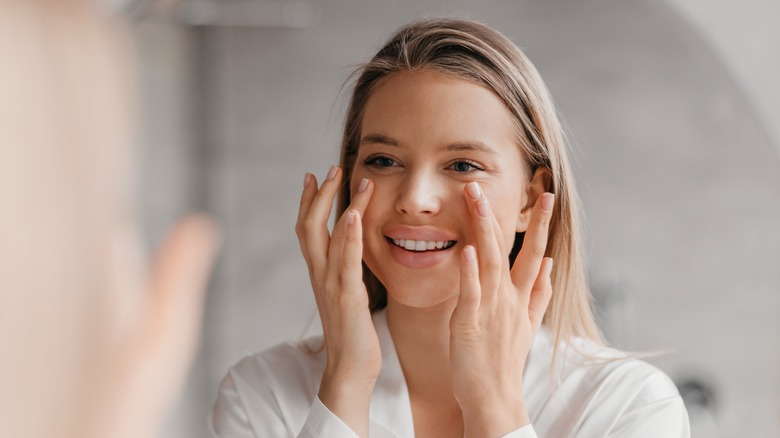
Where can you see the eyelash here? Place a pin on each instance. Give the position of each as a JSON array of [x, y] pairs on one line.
[[374, 161], [475, 166]]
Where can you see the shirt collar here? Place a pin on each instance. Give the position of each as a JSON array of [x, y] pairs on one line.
[[391, 410]]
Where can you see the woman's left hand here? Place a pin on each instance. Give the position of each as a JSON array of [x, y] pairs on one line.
[[498, 314]]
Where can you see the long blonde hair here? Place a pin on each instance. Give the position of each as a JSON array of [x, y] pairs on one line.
[[474, 52]]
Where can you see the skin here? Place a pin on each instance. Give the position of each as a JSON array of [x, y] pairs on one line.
[[100, 341], [466, 311], [149, 365]]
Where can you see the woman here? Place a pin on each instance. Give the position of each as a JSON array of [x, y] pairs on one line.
[[456, 196]]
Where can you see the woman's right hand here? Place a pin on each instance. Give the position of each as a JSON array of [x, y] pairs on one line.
[[335, 269]]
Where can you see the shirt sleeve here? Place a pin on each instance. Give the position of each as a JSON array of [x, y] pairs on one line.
[[667, 418], [526, 431], [230, 419], [322, 423]]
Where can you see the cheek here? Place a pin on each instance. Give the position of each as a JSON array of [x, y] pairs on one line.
[[507, 210]]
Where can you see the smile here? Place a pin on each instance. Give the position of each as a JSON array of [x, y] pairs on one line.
[[422, 245]]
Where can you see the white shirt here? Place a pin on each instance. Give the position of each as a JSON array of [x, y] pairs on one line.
[[274, 394]]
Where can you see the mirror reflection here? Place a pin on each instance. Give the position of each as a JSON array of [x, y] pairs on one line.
[[656, 126]]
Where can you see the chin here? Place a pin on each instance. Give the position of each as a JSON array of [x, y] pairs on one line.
[[420, 293]]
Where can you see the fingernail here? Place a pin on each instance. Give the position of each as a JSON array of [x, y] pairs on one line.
[[549, 265], [351, 218], [473, 190], [470, 254], [548, 200], [306, 180], [483, 209], [363, 185], [332, 172]]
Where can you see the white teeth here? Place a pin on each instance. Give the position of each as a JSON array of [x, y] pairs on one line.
[[423, 245]]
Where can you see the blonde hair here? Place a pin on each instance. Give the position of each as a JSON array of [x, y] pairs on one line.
[[474, 52]]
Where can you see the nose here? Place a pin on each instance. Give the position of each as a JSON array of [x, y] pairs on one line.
[[419, 195]]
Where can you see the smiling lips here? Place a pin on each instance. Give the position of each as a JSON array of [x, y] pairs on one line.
[[422, 245], [419, 247]]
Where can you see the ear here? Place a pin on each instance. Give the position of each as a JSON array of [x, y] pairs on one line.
[[541, 182]]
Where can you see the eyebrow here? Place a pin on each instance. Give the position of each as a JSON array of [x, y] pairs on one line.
[[475, 145], [378, 139]]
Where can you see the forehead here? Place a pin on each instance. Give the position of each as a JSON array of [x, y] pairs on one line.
[[426, 107]]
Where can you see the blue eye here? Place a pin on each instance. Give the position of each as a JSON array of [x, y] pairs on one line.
[[379, 161], [464, 166]]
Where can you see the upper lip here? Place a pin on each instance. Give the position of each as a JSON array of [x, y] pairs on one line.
[[426, 233]]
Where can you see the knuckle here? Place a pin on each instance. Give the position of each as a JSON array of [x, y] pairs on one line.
[[486, 227], [350, 263], [537, 251], [309, 226], [351, 237], [471, 274], [493, 265], [331, 284]]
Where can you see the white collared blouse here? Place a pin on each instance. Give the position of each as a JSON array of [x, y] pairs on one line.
[[274, 394]]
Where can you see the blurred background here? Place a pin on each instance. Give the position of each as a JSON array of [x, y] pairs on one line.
[[672, 108]]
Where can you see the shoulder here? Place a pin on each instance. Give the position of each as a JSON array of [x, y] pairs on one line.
[[291, 367], [624, 373], [274, 387], [599, 389]]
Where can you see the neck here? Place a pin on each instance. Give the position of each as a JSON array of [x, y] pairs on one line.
[[422, 340]]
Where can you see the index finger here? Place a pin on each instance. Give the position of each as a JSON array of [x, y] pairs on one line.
[[359, 204], [529, 260]]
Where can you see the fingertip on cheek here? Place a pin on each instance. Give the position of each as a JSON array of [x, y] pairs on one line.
[[469, 254], [473, 190], [363, 185]]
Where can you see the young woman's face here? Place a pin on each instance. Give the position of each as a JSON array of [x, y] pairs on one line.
[[424, 137]]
